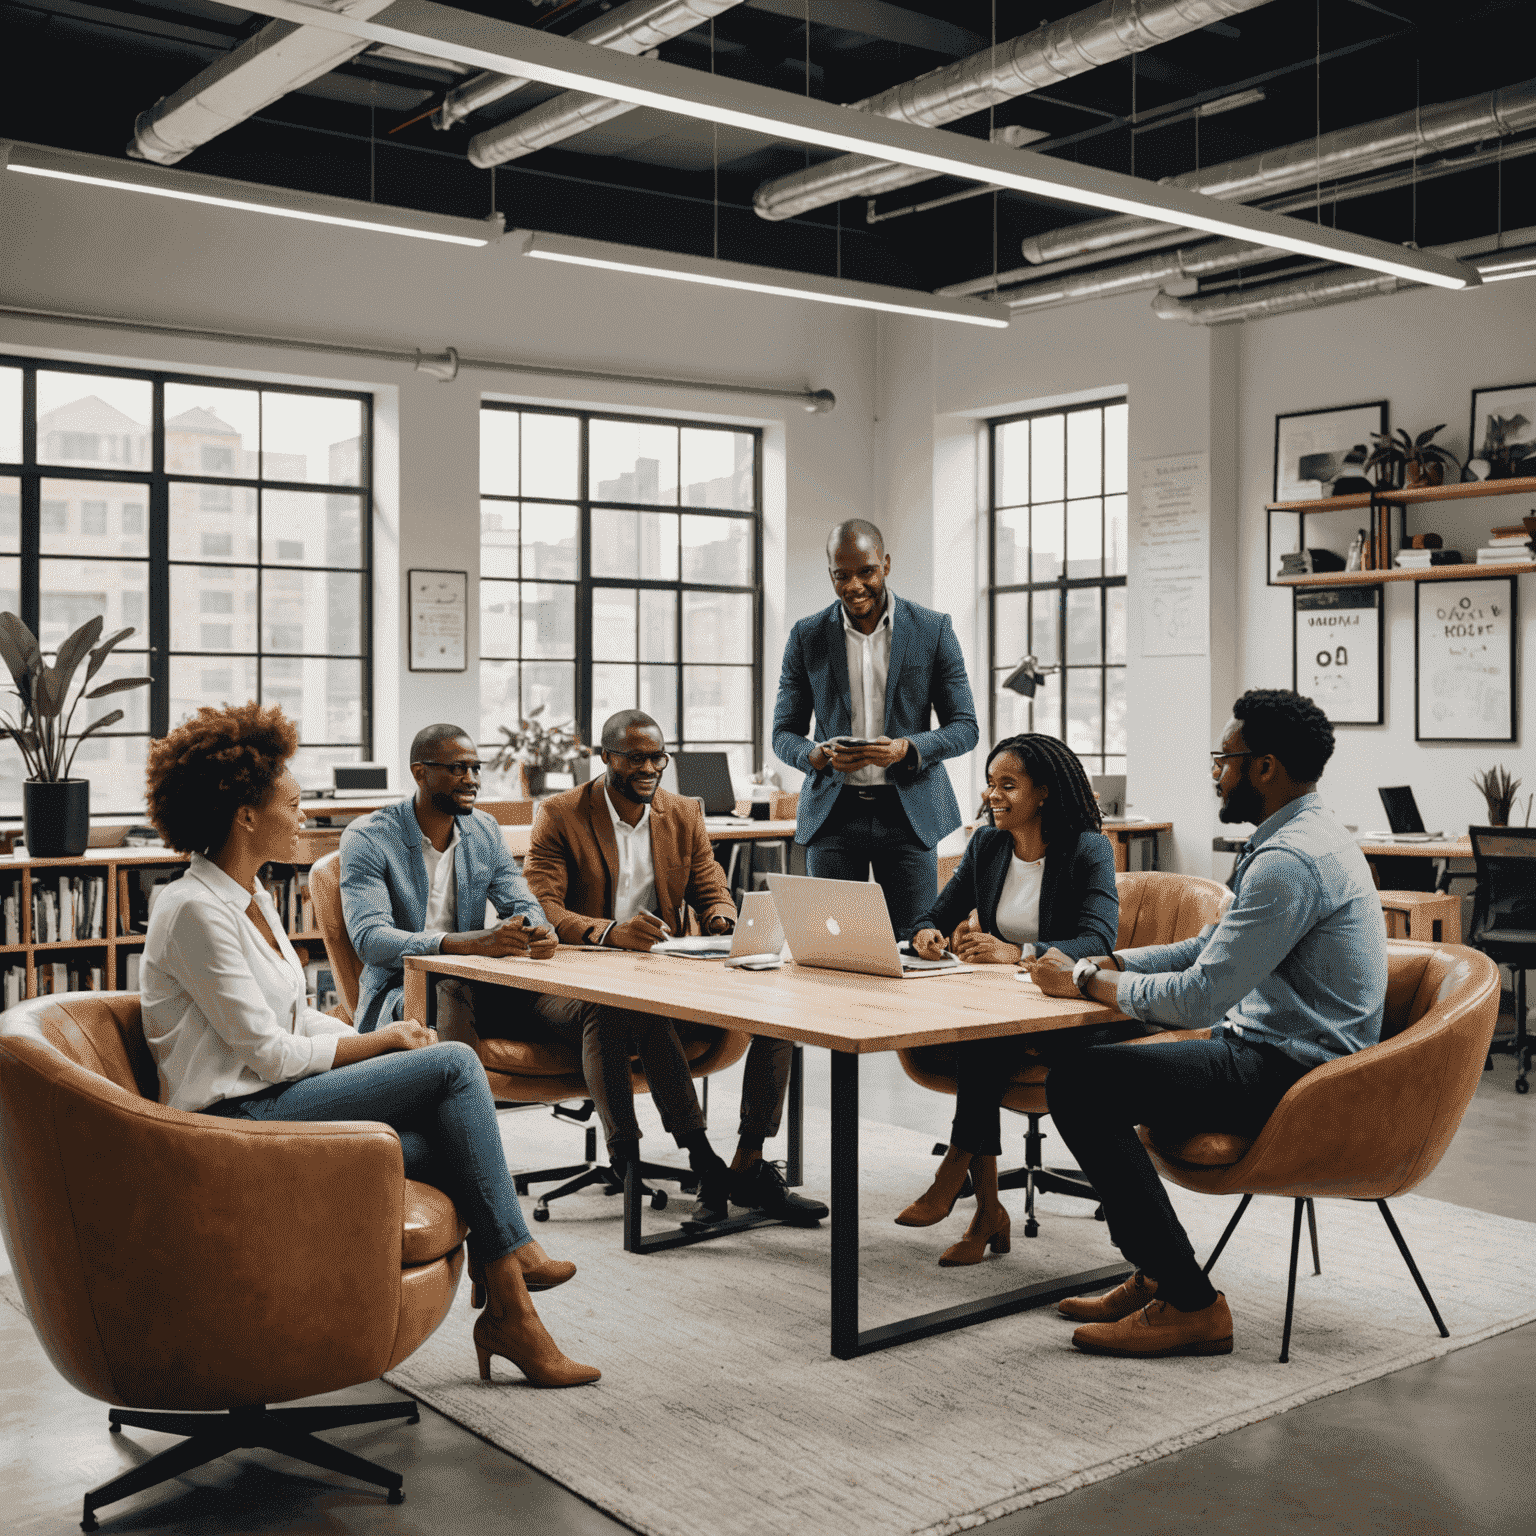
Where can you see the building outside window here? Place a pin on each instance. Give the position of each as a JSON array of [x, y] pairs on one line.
[[620, 569], [227, 523], [1058, 569]]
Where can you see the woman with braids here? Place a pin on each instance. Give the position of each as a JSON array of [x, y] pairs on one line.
[[1041, 876], [228, 1024]]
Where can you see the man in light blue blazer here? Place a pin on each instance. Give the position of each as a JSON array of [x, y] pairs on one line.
[[874, 670], [416, 877]]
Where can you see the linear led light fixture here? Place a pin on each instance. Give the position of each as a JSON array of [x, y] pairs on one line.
[[732, 274], [486, 43], [243, 196], [1501, 266]]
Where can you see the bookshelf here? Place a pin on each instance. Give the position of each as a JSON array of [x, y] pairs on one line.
[[119, 871], [1402, 499]]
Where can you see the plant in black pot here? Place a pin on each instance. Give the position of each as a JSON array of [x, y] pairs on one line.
[[57, 808], [1401, 460]]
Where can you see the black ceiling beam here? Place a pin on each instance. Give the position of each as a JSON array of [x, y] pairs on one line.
[[881, 21]]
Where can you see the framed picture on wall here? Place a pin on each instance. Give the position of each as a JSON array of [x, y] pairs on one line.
[[1464, 660], [1315, 448], [1336, 652], [439, 620], [1502, 437]]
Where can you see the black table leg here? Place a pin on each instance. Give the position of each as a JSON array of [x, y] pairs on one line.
[[795, 1172], [845, 1205]]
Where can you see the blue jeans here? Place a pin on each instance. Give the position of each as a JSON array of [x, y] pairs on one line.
[[869, 831], [438, 1100]]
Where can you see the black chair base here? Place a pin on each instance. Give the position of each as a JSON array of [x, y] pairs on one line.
[[1317, 1265], [613, 1184], [1034, 1178], [290, 1431], [583, 1112]]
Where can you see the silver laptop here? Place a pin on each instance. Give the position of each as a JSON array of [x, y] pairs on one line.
[[843, 925], [758, 930]]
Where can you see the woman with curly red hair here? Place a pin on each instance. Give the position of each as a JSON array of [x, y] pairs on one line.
[[227, 1020]]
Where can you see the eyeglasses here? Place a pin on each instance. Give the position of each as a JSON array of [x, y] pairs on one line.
[[656, 760], [464, 768], [1218, 758]]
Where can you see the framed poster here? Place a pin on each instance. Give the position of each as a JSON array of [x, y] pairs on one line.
[[1464, 660], [439, 620], [1336, 652], [1314, 448], [1502, 438]]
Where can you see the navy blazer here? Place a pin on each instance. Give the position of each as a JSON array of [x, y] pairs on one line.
[[926, 678], [384, 897], [1079, 905]]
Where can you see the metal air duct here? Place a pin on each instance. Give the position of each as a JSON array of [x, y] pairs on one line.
[[1152, 272], [1102, 34], [634, 28], [276, 60], [1366, 147]]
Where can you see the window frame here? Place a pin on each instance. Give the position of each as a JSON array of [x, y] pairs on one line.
[[1062, 584], [586, 584], [31, 474]]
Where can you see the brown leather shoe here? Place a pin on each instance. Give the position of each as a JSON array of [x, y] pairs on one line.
[[1158, 1330], [979, 1236], [1127, 1297], [540, 1273]]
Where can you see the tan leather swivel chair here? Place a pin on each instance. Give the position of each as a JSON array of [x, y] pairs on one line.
[[535, 1071], [189, 1269], [1367, 1126], [1155, 908]]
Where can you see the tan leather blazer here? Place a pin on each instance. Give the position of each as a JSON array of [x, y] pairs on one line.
[[572, 865]]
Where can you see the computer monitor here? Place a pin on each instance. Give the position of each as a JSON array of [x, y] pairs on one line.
[[1401, 808], [1110, 788], [706, 776]]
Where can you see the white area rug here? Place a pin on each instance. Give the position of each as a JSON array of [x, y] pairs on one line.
[[721, 1412]]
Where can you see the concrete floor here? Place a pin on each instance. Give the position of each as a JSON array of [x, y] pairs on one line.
[[1440, 1449]]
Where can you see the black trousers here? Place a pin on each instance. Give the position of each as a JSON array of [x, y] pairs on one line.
[[867, 832], [1180, 1088]]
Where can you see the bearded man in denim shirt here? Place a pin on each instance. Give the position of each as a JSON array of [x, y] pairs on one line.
[[1294, 975]]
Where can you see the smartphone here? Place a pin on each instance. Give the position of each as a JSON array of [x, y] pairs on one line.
[[849, 741]]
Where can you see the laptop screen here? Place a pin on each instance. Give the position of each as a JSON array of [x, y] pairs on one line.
[[706, 776], [1402, 811]]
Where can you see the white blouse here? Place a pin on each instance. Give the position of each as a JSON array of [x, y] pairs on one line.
[[225, 1016], [1018, 908]]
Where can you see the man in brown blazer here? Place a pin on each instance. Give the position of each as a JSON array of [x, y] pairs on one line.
[[619, 862]]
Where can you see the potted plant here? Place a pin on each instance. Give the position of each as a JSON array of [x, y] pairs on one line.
[[1401, 461], [56, 808], [1498, 789], [541, 749]]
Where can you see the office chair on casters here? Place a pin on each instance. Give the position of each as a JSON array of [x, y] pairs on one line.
[[533, 1071], [1155, 908], [1504, 921], [1369, 1126]]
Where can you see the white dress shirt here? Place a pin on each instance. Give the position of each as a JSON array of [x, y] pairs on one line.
[[224, 1015], [442, 890], [869, 664], [637, 870], [1018, 908]]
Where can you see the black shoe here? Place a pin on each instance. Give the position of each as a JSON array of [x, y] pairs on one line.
[[761, 1185], [712, 1204]]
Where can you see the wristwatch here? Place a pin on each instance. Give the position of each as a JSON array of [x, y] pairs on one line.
[[1082, 973]]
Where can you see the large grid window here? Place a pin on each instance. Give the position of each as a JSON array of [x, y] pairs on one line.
[[1057, 585], [619, 569], [227, 523]]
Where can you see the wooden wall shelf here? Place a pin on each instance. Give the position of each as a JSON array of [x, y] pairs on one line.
[[1422, 573], [1470, 489]]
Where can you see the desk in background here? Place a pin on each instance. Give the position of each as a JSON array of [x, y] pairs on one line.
[[1121, 834], [849, 1015], [518, 838]]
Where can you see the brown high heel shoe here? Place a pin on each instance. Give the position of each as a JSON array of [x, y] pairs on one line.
[[544, 1274], [929, 1208], [979, 1236], [527, 1344]]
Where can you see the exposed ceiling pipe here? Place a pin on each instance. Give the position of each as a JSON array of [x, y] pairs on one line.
[[1431, 130], [266, 66], [1042, 287], [1057, 51], [634, 28], [1340, 286]]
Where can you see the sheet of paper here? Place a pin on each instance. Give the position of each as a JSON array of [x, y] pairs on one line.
[[1173, 540]]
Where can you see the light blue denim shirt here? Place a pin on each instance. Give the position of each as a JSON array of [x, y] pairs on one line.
[[1300, 958]]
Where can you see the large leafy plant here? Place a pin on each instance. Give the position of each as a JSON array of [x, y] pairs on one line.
[[45, 730], [540, 746], [1399, 457]]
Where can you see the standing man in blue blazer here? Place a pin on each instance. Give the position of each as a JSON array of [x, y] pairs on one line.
[[416, 877], [874, 669]]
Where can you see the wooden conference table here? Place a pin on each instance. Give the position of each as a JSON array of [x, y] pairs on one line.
[[849, 1015]]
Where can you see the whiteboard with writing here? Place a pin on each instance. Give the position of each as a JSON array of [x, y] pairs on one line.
[[1337, 658], [1173, 555], [1464, 660]]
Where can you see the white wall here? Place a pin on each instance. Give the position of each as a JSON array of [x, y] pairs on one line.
[[1423, 351], [101, 252]]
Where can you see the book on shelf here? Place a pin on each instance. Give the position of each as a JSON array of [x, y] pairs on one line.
[[131, 972], [1503, 554], [10, 911], [15, 984], [1422, 559]]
